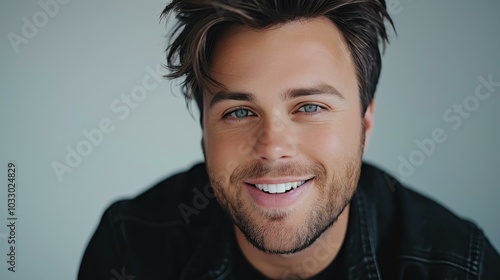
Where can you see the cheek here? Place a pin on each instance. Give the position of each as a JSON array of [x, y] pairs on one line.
[[331, 142], [222, 152], [323, 141]]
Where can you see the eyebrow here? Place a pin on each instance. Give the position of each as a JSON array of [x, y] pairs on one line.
[[224, 95], [289, 94], [315, 90]]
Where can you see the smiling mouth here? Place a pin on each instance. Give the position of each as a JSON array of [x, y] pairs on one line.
[[280, 188]]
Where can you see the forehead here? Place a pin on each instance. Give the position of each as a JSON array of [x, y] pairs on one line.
[[295, 54]]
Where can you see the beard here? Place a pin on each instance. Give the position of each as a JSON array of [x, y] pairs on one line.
[[291, 230]]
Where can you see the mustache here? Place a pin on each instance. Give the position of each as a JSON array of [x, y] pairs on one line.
[[259, 169]]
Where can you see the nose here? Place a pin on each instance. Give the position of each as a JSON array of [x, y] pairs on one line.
[[275, 141]]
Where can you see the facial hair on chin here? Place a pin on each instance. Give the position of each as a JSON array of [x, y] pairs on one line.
[[270, 230]]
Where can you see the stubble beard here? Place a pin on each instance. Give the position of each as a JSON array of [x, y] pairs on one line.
[[289, 231]]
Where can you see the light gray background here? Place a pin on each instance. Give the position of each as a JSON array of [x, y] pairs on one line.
[[65, 78]]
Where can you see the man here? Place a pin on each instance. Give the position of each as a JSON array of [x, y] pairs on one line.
[[285, 89]]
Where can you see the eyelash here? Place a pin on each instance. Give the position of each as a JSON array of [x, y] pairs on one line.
[[251, 114], [319, 108], [230, 113]]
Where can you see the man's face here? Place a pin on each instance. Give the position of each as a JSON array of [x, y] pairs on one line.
[[284, 137]]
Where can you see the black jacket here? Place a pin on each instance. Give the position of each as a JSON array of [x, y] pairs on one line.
[[177, 230]]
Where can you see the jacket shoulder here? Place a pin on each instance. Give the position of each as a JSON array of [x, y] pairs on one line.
[[166, 224], [421, 232], [176, 200]]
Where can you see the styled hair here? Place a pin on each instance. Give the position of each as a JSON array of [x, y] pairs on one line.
[[201, 22]]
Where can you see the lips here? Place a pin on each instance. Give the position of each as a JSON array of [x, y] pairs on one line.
[[279, 188], [278, 193]]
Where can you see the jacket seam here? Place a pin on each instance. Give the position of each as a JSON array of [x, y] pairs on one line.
[[365, 230], [118, 234], [474, 250], [444, 262]]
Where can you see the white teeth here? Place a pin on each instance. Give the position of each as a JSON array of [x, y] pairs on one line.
[[272, 188], [279, 188], [265, 188]]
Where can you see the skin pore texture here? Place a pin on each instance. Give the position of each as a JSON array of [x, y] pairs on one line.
[[286, 119]]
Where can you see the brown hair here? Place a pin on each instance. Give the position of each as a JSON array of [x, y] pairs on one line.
[[200, 22]]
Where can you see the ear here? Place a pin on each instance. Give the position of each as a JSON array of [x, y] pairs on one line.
[[368, 122]]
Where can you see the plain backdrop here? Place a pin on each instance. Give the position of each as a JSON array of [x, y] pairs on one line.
[[67, 73]]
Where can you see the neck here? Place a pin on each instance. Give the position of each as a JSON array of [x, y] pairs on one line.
[[303, 264]]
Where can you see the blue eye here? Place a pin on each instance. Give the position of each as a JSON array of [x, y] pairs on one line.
[[240, 113], [310, 108]]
